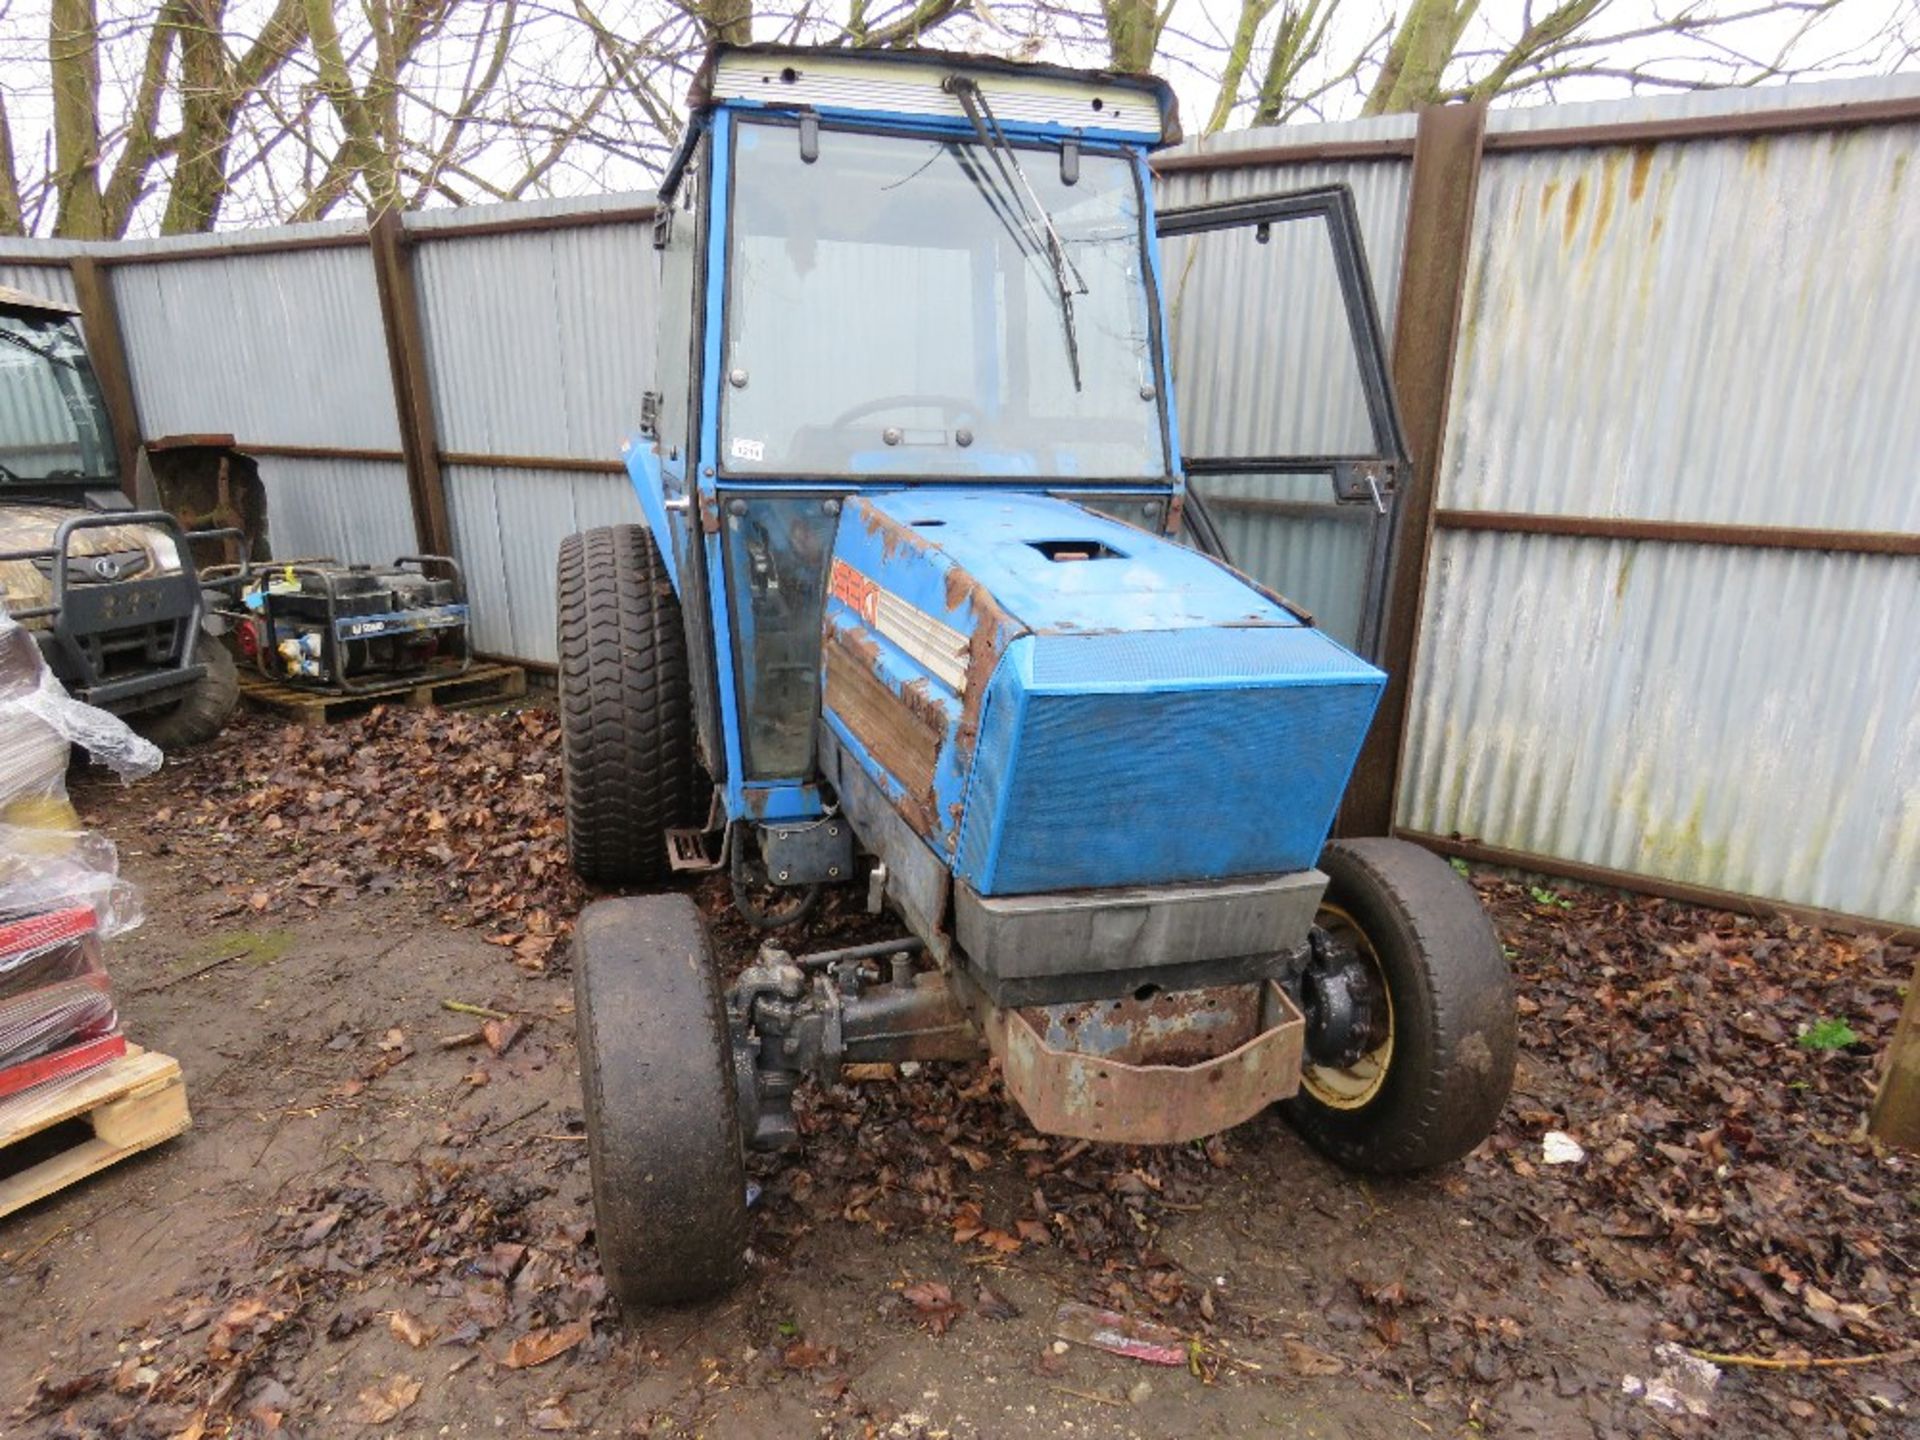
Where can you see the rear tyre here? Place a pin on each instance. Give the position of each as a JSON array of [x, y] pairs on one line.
[[203, 711], [663, 1130], [626, 706], [1439, 1061]]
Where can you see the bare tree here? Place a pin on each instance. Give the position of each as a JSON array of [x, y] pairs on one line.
[[1280, 59], [119, 116]]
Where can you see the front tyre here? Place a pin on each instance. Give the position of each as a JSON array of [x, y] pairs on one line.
[[203, 710], [1428, 1079], [663, 1124], [626, 706]]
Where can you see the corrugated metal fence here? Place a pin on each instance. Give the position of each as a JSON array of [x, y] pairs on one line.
[[1666, 513]]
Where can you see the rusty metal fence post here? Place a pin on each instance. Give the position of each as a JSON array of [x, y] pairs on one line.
[[412, 385], [100, 319], [1896, 1108], [1433, 272]]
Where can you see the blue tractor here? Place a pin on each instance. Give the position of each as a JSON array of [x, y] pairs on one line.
[[925, 605]]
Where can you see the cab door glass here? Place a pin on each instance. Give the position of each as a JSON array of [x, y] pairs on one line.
[[1290, 436]]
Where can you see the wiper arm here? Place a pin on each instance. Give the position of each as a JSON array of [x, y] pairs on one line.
[[996, 203], [1066, 276]]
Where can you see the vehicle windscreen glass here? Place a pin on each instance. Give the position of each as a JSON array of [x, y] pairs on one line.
[[53, 425], [894, 309]]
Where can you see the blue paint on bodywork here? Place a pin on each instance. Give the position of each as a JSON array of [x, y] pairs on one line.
[[1012, 757], [1145, 718], [1208, 767], [1146, 584], [732, 793], [643, 469]]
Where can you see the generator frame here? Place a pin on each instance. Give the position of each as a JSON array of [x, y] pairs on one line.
[[338, 630]]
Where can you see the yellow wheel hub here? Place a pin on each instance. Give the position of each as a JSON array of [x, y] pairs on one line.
[[1351, 1086]]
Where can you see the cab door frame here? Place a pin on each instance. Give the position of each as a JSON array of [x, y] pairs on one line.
[[1373, 477]]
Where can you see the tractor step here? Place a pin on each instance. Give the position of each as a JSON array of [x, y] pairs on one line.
[[467, 689], [687, 852]]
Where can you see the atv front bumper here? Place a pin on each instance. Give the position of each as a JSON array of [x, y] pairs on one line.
[[121, 644]]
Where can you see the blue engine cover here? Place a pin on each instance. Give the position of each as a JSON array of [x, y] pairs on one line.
[[1057, 701]]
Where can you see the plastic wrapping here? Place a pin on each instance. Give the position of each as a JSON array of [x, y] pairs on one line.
[[49, 869], [41, 949], [56, 1009], [47, 861], [38, 719], [60, 888]]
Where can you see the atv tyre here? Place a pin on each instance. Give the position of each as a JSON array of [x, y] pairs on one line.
[[626, 706], [663, 1123], [203, 711], [1432, 1092]]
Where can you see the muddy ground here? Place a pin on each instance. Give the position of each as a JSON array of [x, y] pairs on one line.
[[379, 1222]]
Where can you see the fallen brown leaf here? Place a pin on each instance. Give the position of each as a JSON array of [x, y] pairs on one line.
[[933, 1305], [552, 1415], [537, 1347], [410, 1328], [1304, 1359], [379, 1404]]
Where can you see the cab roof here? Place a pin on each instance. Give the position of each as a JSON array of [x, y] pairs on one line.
[[1140, 108], [16, 302]]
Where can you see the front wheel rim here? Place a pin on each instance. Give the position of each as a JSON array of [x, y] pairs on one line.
[[1351, 1087]]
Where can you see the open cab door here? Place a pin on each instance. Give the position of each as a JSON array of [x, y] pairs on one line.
[[1290, 435]]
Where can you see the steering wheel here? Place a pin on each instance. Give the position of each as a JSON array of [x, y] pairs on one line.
[[950, 407]]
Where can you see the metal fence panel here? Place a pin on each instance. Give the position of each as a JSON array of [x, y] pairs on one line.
[[352, 510], [508, 524], [51, 282], [1720, 330], [1697, 104], [1709, 331], [281, 348], [539, 343], [1737, 719]]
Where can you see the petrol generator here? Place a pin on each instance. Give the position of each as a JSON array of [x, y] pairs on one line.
[[351, 629]]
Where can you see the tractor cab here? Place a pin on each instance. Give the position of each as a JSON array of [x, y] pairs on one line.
[[919, 270], [928, 604]]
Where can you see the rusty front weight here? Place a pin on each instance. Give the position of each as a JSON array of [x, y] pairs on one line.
[[1158, 1071]]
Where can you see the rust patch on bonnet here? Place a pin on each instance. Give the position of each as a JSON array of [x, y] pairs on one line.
[[993, 630], [929, 709], [893, 535], [903, 732]]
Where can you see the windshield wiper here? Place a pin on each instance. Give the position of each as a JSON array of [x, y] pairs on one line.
[[1066, 276]]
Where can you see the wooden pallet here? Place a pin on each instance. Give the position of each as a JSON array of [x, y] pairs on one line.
[[477, 685], [134, 1103]]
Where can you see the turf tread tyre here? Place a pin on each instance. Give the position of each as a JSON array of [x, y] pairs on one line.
[[1454, 1019], [204, 710], [626, 706], [663, 1127]]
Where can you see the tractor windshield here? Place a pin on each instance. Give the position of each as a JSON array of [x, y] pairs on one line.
[[53, 425], [914, 306]]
